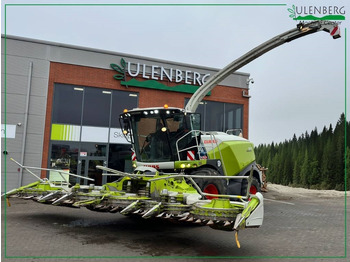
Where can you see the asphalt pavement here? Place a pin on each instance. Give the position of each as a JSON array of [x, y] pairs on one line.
[[294, 229]]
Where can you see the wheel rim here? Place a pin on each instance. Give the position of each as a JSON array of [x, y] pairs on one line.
[[211, 189], [253, 190]]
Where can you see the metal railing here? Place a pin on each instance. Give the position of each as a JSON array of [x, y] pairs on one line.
[[200, 146]]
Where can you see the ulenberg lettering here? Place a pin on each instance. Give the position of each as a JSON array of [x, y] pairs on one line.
[[161, 73], [320, 10]]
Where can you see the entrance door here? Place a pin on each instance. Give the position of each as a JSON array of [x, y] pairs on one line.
[[87, 168]]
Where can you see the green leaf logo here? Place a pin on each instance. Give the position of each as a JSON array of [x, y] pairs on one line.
[[292, 11], [120, 69]]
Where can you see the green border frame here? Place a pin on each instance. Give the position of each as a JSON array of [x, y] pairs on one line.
[[162, 257]]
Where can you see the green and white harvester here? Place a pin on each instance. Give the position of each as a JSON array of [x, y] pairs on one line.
[[180, 173]]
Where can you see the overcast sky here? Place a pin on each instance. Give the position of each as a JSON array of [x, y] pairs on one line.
[[297, 86]]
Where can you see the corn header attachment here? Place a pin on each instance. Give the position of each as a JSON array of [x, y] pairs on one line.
[[150, 195]]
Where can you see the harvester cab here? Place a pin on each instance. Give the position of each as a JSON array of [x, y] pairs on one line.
[[154, 132]]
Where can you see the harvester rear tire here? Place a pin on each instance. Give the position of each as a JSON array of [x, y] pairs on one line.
[[212, 186]]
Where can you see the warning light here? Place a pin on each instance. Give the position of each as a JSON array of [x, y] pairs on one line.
[[166, 106], [125, 110], [125, 132]]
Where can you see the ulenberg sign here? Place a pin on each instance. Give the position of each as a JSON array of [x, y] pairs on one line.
[[190, 80], [311, 12]]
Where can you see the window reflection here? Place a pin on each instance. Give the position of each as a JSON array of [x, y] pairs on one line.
[[217, 116], [64, 156], [96, 107], [67, 104], [93, 149]]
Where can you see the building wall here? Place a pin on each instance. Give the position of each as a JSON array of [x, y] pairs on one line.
[[19, 56], [58, 63]]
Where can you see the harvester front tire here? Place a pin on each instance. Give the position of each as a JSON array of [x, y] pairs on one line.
[[254, 187], [212, 186]]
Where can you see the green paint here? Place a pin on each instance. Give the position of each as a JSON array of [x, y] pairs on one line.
[[314, 18], [253, 203], [218, 208], [38, 187], [221, 203], [172, 184], [235, 154], [112, 187], [63, 132], [57, 132], [153, 84]]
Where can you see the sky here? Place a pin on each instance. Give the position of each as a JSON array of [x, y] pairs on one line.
[[297, 87]]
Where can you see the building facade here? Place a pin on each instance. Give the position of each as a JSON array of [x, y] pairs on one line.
[[61, 105]]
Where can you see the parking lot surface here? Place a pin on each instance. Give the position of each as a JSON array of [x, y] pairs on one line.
[[296, 227]]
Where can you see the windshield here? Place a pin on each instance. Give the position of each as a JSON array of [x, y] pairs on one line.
[[155, 133]]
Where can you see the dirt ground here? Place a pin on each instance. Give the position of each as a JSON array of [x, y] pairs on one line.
[[297, 192]]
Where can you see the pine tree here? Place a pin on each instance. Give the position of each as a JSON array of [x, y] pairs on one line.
[[296, 173], [313, 178], [305, 170], [339, 165], [326, 166], [314, 160]]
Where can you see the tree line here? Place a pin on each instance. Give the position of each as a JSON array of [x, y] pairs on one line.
[[315, 160]]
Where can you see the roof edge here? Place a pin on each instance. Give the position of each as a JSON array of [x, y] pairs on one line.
[[102, 51]]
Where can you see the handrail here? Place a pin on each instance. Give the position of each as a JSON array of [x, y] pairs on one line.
[[201, 147], [198, 146]]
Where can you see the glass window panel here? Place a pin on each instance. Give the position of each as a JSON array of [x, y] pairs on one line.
[[122, 100], [65, 156], [119, 158], [214, 116], [93, 149], [93, 172], [200, 110], [67, 104], [96, 107], [233, 116]]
